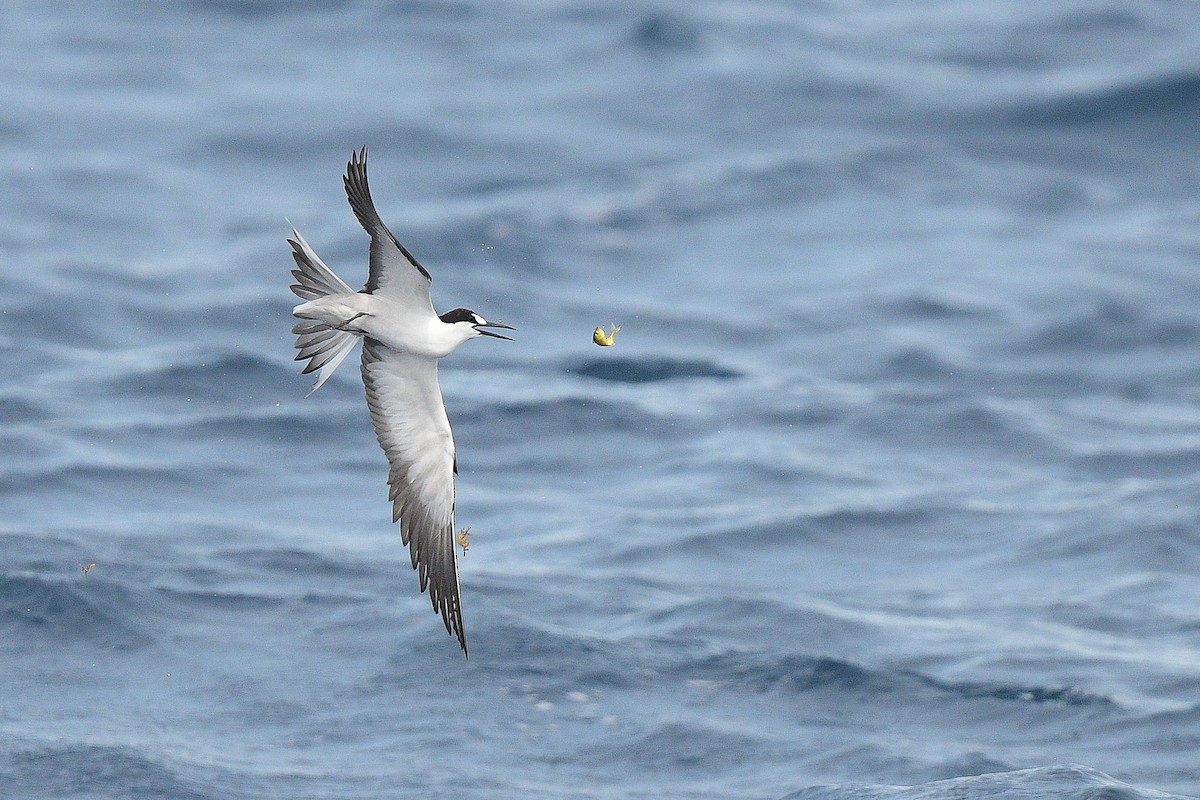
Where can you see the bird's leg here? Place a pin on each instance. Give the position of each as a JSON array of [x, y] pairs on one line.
[[462, 539], [345, 325]]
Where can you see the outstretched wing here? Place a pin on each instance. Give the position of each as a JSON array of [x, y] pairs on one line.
[[394, 273], [412, 428]]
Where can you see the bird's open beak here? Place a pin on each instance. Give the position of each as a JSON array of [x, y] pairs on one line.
[[480, 328]]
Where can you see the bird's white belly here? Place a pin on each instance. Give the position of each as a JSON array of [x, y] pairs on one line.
[[399, 330]]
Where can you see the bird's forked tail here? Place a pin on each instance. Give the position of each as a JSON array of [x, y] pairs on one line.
[[325, 347]]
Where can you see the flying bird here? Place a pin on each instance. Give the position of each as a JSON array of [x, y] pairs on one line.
[[403, 338]]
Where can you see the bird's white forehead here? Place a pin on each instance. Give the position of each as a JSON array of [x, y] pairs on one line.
[[478, 319]]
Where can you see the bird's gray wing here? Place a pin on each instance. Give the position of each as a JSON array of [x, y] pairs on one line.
[[412, 428], [394, 273]]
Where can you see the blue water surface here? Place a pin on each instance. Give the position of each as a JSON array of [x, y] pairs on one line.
[[888, 489]]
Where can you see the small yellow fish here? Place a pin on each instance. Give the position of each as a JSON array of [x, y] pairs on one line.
[[605, 341], [462, 539]]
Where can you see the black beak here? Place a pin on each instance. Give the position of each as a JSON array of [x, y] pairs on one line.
[[480, 328]]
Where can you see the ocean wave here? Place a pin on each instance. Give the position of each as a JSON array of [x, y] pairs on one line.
[[220, 377], [22, 411], [1149, 462], [649, 369], [219, 600], [295, 424], [815, 525], [791, 674], [26, 446], [82, 609], [521, 648], [1161, 547], [803, 674], [1173, 98], [750, 619], [872, 757], [1072, 782], [933, 305], [953, 419], [152, 479], [315, 423], [1015, 693], [1112, 325], [294, 562], [923, 364], [95, 771], [665, 32], [525, 421], [685, 746], [1162, 732], [278, 142], [264, 9], [689, 191], [41, 552]]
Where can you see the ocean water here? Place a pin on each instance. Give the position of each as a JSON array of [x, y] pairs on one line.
[[888, 489]]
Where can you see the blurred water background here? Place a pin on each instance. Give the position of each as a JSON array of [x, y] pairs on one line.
[[889, 488]]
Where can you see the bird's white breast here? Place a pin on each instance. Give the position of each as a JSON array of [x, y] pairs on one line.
[[398, 328]]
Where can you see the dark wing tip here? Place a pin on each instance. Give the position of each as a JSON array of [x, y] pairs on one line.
[[439, 576], [452, 616], [358, 192], [445, 595], [358, 161]]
